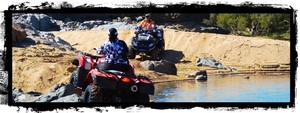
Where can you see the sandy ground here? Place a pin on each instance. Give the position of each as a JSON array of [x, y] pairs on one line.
[[40, 67]]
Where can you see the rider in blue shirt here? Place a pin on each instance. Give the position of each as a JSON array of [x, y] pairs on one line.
[[115, 52]]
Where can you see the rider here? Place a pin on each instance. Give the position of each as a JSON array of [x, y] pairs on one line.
[[147, 24], [115, 52]]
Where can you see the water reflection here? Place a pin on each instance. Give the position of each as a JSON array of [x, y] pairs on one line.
[[258, 88]]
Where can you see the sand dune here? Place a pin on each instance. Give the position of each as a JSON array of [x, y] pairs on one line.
[[228, 49]]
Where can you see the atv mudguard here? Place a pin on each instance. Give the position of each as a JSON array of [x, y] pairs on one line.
[[102, 79]]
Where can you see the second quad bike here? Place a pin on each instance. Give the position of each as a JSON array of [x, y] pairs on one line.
[[147, 43]]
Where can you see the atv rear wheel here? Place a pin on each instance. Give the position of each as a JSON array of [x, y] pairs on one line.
[[131, 53], [92, 93]]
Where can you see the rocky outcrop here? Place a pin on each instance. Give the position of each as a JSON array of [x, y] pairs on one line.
[[3, 87], [19, 96], [61, 93], [40, 22], [18, 33], [49, 38], [162, 66], [212, 63], [61, 90]]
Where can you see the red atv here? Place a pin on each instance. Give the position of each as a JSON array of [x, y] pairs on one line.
[[109, 85]]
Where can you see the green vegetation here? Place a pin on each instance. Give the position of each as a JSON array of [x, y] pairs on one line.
[[273, 25]]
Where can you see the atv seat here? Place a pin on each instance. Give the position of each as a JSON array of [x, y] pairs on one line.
[[120, 73], [115, 72]]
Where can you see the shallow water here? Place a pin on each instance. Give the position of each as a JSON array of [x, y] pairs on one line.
[[258, 88]]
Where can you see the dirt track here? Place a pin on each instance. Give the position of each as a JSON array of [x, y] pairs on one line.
[[40, 67]]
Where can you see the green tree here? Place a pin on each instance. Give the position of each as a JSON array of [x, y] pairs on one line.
[[254, 24]]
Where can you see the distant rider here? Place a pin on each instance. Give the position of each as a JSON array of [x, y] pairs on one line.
[[147, 25]]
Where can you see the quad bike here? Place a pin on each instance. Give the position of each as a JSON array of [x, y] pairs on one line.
[[109, 85], [147, 43]]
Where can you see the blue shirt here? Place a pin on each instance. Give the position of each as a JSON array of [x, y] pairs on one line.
[[115, 52]]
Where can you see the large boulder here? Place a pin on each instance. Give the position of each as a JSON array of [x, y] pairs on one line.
[[162, 66], [18, 33], [61, 90], [40, 22]]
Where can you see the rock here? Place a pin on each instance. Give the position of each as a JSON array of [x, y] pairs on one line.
[[69, 98], [47, 23], [3, 82], [50, 39], [90, 24], [162, 66], [119, 19], [126, 20], [26, 98], [3, 98], [271, 66], [140, 18], [18, 33], [246, 77], [166, 67], [38, 21], [19, 96], [199, 75], [147, 65], [209, 62], [59, 91], [16, 92]]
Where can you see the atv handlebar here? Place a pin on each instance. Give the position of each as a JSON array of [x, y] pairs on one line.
[[90, 55]]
